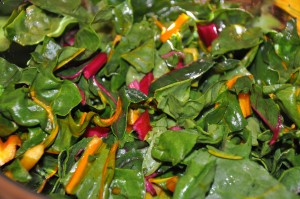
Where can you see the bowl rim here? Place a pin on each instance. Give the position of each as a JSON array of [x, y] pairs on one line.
[[14, 190]]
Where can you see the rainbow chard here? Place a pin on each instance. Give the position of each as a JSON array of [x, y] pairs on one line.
[[144, 84], [91, 68], [180, 55], [268, 111], [95, 65], [142, 125], [148, 185], [97, 131], [207, 33]]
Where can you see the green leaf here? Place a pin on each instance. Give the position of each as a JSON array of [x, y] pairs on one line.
[[22, 110], [198, 176], [287, 97], [265, 107], [130, 183], [8, 6], [10, 73], [179, 102], [194, 71], [19, 173], [87, 38], [150, 164], [61, 95], [233, 175], [67, 8], [177, 93], [134, 155], [262, 70], [128, 96], [228, 16], [239, 144], [287, 43], [143, 57], [214, 134], [132, 40], [119, 79], [253, 127], [290, 179], [173, 146], [242, 85], [123, 17], [228, 113], [23, 28], [35, 136], [241, 37], [46, 167], [134, 95], [59, 5], [7, 126], [65, 138], [5, 43]]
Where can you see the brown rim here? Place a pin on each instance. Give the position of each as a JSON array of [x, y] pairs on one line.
[[12, 190]]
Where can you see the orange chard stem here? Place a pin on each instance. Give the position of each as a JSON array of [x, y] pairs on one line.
[[232, 81], [174, 27], [109, 121], [42, 186], [114, 43], [159, 24], [82, 118], [92, 147], [244, 101], [8, 149], [171, 183], [109, 164]]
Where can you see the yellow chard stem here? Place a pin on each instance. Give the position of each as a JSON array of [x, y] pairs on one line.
[[292, 7], [50, 139], [224, 155], [109, 164], [32, 156]]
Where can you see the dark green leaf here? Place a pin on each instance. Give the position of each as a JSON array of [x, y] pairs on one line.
[[233, 175], [173, 146], [290, 179], [10, 73], [130, 183], [24, 30], [241, 37], [198, 177], [22, 110], [142, 58], [61, 95], [123, 17], [19, 173], [194, 71]]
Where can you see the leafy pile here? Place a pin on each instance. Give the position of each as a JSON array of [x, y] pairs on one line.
[[149, 99]]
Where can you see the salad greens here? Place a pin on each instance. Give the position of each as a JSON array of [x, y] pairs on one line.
[[149, 99]]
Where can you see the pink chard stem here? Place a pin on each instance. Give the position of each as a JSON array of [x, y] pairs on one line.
[[95, 65]]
